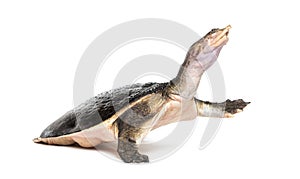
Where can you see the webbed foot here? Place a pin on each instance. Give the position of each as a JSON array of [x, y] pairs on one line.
[[129, 153], [235, 106]]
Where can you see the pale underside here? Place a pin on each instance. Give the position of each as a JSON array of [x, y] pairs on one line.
[[171, 111]]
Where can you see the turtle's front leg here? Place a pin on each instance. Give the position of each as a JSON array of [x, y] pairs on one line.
[[128, 151], [128, 141], [225, 109]]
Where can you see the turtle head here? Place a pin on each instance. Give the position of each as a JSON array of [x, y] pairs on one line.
[[215, 39], [207, 49], [201, 55]]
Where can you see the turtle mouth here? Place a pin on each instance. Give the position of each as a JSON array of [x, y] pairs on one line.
[[219, 38]]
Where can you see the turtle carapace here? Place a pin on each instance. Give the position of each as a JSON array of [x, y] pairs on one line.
[[129, 113]]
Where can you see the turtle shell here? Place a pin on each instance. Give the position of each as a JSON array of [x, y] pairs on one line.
[[99, 108]]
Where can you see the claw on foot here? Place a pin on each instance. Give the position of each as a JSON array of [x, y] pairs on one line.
[[134, 158], [235, 106]]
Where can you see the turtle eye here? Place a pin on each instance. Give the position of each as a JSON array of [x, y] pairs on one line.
[[214, 30]]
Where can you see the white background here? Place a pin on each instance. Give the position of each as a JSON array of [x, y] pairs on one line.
[[41, 45]]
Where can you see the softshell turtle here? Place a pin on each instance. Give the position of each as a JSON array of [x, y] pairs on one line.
[[129, 113]]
